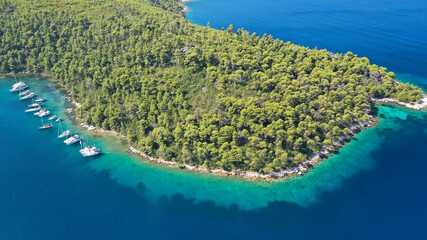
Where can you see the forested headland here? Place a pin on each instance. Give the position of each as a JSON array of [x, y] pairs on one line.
[[224, 99]]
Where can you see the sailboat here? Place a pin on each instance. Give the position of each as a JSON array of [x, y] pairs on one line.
[[34, 104], [45, 126], [73, 139], [89, 151], [18, 86], [22, 93], [39, 100], [63, 133], [28, 96], [33, 109]]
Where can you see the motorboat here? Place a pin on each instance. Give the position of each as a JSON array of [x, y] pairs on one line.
[[73, 139], [59, 119], [52, 118], [33, 109]]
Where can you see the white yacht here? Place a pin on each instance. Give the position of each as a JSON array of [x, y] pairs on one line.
[[35, 105], [28, 96], [90, 151], [44, 114], [40, 112], [59, 119], [73, 139], [52, 118], [19, 86], [33, 109], [64, 134]]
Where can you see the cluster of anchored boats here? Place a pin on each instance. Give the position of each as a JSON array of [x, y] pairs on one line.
[[37, 107]]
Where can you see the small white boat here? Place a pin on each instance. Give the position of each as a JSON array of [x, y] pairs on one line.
[[64, 134], [29, 96], [52, 118], [19, 86], [59, 119], [73, 139], [33, 109], [39, 100]]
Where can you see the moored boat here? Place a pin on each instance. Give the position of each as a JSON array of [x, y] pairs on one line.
[[39, 100], [73, 139], [64, 134], [33, 109], [44, 114], [52, 118], [35, 105], [59, 119], [90, 151], [24, 93], [40, 112], [19, 86], [45, 126], [28, 96]]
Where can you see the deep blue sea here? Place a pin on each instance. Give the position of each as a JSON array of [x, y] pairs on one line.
[[374, 188]]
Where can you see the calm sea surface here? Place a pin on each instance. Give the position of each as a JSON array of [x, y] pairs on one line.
[[374, 188]]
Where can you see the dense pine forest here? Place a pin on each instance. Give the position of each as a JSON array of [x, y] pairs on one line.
[[225, 99]]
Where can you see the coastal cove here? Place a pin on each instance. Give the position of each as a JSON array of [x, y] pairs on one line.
[[361, 160], [370, 185]]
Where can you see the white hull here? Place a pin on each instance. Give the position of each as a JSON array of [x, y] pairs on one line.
[[32, 110], [65, 134], [72, 140], [18, 89]]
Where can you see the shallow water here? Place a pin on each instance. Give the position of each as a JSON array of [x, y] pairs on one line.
[[372, 189]]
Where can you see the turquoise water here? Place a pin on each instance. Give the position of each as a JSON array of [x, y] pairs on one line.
[[372, 189]]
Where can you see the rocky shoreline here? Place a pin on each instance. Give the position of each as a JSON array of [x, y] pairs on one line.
[[298, 170], [416, 106], [185, 8]]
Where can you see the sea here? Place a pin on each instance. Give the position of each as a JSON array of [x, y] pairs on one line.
[[373, 188]]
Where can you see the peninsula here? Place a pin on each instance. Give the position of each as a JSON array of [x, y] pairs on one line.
[[222, 101]]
